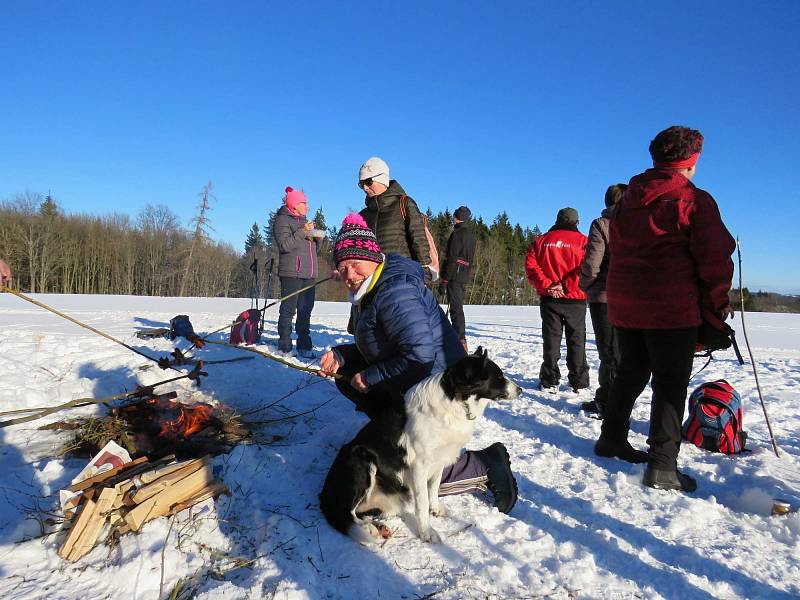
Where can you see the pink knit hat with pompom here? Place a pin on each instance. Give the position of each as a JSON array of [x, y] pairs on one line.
[[293, 198], [356, 241]]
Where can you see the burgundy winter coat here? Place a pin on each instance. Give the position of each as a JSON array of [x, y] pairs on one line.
[[670, 254], [556, 257]]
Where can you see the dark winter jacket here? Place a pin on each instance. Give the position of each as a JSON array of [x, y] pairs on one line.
[[460, 254], [670, 254], [394, 233], [555, 257], [298, 253], [594, 268], [400, 329]]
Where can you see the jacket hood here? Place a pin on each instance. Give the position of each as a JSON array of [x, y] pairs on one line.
[[392, 194], [607, 212], [644, 189]]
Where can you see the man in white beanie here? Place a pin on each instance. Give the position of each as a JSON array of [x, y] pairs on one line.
[[394, 217]]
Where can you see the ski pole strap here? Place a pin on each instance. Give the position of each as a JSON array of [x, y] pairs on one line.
[[78, 323]]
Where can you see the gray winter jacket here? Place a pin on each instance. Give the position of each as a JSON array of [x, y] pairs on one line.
[[595, 263], [298, 253]]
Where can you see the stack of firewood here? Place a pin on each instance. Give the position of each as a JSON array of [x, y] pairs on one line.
[[129, 496]]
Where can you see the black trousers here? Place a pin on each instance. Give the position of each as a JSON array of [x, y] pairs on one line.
[[455, 297], [608, 349], [667, 355], [558, 317], [302, 303]]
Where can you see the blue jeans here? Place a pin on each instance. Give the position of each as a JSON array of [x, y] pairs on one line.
[[303, 304]]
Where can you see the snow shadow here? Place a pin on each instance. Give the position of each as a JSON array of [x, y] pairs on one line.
[[592, 533], [150, 322]]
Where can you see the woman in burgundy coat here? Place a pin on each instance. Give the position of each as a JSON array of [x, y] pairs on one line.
[[670, 260]]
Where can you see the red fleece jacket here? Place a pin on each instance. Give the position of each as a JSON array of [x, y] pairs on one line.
[[556, 257], [670, 254]]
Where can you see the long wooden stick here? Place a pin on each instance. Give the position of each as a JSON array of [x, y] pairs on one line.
[[78, 323], [271, 357]]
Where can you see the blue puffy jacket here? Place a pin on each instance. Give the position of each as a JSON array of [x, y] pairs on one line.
[[400, 329]]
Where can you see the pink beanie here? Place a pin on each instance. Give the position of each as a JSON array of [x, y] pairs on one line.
[[293, 198]]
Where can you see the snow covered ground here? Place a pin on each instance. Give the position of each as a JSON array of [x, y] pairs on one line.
[[584, 527]]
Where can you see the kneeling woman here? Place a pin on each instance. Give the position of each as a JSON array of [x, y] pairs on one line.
[[401, 337]]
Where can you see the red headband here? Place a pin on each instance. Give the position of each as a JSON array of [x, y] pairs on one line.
[[687, 163]]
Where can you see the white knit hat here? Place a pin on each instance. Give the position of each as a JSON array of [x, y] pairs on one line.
[[376, 169]]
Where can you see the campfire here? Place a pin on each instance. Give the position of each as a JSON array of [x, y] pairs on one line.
[[157, 425]]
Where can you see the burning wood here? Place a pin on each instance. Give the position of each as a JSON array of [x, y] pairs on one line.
[[158, 425], [128, 496]]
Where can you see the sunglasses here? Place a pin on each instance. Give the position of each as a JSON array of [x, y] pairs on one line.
[[365, 183]]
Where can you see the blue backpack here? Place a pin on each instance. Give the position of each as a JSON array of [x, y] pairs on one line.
[[180, 326], [715, 418]]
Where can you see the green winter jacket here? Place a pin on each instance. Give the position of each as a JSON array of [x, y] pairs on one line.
[[395, 234]]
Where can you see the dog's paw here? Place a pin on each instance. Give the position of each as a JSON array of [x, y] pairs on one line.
[[438, 510], [430, 536]]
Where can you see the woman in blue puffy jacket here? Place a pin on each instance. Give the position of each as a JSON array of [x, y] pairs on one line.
[[401, 337]]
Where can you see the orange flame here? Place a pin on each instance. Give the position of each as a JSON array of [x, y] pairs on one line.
[[190, 420]]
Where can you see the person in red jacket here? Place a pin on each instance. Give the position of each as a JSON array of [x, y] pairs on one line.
[[670, 260], [553, 267]]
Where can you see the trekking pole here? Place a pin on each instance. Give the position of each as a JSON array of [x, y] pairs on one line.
[[750, 352], [254, 269], [266, 296], [84, 325]]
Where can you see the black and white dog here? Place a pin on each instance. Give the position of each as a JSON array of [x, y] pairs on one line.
[[400, 455]]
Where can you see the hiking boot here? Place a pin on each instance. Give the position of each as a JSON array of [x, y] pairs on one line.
[[550, 389], [280, 352], [307, 353], [668, 480], [595, 406], [607, 448], [501, 480]]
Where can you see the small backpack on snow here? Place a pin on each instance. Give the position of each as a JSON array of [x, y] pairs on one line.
[[715, 418], [180, 326], [245, 329]]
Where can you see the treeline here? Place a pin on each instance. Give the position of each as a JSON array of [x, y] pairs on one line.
[[498, 274], [152, 254]]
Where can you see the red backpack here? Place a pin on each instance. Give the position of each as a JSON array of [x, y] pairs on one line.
[[245, 329], [715, 418]]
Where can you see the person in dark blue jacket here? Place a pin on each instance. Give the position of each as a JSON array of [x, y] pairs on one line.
[[401, 337]]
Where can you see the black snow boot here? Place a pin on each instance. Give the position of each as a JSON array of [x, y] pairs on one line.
[[668, 480], [613, 449], [594, 407], [501, 480]]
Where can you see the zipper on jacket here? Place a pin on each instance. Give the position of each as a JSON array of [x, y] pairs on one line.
[[311, 258]]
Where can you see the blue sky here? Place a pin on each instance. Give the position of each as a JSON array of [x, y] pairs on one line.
[[518, 106]]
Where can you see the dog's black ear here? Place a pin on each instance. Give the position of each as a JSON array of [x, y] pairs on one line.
[[485, 357], [478, 351]]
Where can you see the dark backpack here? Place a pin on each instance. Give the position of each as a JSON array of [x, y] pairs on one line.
[[715, 418], [180, 326], [245, 329]]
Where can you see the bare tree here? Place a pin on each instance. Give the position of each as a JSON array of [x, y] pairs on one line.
[[200, 233]]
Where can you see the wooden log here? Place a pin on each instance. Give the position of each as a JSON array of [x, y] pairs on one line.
[[100, 477], [78, 525], [162, 483], [160, 504], [210, 491], [88, 537], [152, 475]]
